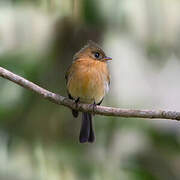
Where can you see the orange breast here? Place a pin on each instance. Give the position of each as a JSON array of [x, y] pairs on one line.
[[87, 80]]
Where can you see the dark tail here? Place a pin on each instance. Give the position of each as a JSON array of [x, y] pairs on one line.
[[86, 132]]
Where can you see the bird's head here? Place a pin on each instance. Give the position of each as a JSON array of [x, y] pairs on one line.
[[91, 51]]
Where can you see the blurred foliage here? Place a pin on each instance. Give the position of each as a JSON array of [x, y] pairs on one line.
[[39, 140]]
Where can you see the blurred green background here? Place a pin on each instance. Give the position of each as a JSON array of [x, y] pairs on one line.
[[39, 140]]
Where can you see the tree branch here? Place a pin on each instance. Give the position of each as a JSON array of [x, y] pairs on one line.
[[102, 110]]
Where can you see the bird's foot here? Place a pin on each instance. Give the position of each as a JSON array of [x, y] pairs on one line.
[[93, 107], [75, 112], [76, 101]]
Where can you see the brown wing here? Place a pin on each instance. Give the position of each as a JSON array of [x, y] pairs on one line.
[[74, 112], [67, 73]]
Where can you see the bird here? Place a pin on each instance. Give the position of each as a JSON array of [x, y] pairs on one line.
[[88, 81]]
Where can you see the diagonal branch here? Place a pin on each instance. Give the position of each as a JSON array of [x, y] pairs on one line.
[[102, 110]]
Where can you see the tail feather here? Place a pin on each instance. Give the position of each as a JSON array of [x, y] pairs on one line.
[[91, 135], [86, 132], [85, 128]]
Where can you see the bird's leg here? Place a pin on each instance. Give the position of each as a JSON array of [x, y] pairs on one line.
[[93, 106], [74, 112], [76, 101], [100, 102]]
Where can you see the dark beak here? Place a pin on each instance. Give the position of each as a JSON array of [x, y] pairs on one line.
[[107, 59]]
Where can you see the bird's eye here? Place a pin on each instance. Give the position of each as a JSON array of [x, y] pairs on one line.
[[96, 55]]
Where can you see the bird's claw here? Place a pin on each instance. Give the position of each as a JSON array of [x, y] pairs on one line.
[[93, 106]]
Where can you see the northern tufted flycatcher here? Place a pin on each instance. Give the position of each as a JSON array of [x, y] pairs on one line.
[[87, 82]]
